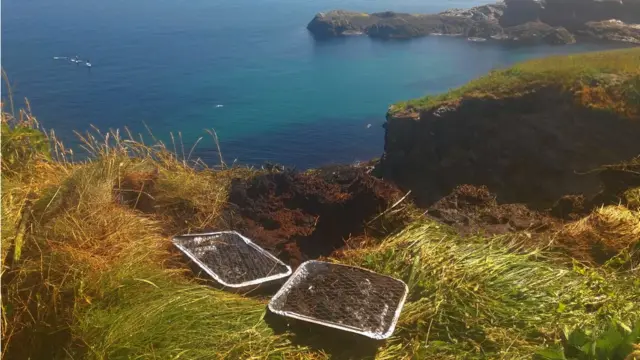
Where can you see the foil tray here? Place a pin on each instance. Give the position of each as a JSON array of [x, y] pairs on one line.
[[231, 259], [342, 297]]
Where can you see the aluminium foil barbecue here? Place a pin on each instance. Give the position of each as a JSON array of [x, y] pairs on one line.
[[342, 297], [231, 259]]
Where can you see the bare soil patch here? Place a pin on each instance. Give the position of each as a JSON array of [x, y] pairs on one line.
[[301, 216], [471, 209]]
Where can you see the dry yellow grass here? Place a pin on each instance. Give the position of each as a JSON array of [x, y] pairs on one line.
[[608, 223], [632, 197], [606, 232], [67, 236]]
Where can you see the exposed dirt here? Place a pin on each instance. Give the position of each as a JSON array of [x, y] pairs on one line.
[[616, 180], [300, 216], [601, 233], [571, 207], [471, 209]]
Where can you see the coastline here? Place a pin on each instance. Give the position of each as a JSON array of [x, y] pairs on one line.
[[523, 21]]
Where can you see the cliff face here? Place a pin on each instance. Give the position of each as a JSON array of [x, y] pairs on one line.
[[573, 14], [527, 140], [550, 21], [398, 25], [613, 30]]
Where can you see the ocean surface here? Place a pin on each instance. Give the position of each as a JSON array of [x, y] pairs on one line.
[[246, 68]]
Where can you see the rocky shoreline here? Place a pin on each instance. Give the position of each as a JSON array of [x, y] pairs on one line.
[[523, 21]]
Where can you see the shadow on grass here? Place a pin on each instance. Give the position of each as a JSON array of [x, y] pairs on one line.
[[336, 343]]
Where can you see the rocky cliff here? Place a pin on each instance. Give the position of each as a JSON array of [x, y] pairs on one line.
[[531, 134], [548, 21]]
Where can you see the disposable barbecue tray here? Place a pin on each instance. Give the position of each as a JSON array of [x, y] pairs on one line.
[[231, 259], [342, 297]]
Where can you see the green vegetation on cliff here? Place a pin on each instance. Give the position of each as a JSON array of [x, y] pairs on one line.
[[604, 80]]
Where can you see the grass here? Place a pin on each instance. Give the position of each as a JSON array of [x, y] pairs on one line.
[[632, 197], [484, 299], [608, 223], [608, 80], [160, 316], [64, 232]]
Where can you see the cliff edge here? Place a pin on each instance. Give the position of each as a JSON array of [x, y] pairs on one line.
[[531, 133]]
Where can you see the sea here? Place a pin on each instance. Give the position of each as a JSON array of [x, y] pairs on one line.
[[248, 69]]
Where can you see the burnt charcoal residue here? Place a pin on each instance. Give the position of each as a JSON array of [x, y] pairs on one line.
[[232, 259], [346, 296]]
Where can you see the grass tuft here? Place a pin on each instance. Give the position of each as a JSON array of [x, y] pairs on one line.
[[606, 233]]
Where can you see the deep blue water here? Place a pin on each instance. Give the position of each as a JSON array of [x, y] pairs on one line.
[[286, 97]]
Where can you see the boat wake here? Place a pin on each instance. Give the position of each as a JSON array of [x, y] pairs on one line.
[[74, 60]]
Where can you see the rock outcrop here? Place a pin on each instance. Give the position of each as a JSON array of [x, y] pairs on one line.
[[612, 30], [535, 32], [547, 21], [531, 134], [573, 14], [482, 21], [521, 11]]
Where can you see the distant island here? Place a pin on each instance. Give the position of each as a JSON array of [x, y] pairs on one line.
[[524, 21]]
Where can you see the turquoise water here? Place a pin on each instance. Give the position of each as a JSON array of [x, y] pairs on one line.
[[285, 97]]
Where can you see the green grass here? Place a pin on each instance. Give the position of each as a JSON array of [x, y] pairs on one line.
[[613, 75], [153, 315], [616, 342], [482, 298]]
